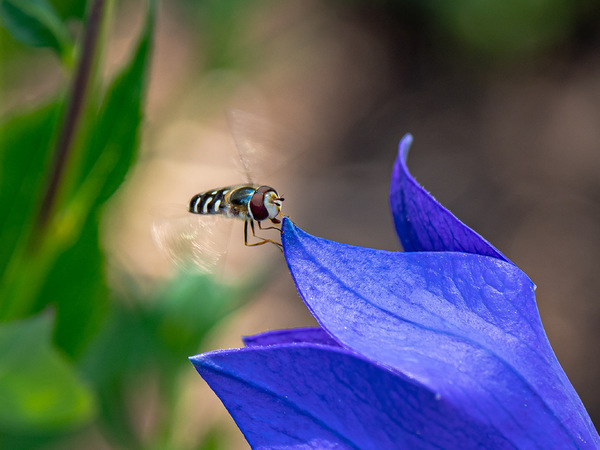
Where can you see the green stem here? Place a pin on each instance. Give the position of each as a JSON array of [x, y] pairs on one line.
[[72, 116]]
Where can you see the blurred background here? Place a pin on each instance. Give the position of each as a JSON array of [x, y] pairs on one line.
[[503, 101]]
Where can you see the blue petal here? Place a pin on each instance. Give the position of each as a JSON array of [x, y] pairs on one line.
[[464, 325], [314, 335], [422, 223], [311, 396]]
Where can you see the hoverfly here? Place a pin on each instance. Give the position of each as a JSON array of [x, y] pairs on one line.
[[245, 201], [187, 238]]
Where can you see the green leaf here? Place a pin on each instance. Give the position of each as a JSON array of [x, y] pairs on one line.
[[111, 146], [36, 23], [76, 284], [25, 141], [39, 389]]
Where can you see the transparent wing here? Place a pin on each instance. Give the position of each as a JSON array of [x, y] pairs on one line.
[[263, 149], [192, 242]]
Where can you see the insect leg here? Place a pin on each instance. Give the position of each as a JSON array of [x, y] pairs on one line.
[[268, 228], [262, 240]]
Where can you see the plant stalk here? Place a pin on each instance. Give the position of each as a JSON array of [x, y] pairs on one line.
[[72, 114]]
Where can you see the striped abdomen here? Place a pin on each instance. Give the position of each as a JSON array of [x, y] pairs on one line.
[[231, 201]]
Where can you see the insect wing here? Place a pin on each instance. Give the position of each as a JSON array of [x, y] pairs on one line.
[[191, 241], [259, 145]]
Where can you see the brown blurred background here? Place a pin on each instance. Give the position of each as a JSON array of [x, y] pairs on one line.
[[503, 100]]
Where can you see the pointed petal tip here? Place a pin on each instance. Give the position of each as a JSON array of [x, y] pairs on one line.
[[196, 360], [404, 146], [287, 225], [203, 360], [422, 223], [290, 234]]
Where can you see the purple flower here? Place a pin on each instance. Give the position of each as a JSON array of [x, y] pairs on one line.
[[437, 347]]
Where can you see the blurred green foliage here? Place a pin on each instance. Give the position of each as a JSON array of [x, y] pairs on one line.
[[472, 33], [506, 28], [38, 387], [70, 349], [36, 23]]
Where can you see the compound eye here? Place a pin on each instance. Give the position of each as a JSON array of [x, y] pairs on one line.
[[257, 206]]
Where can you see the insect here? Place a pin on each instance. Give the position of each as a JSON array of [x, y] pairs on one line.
[[194, 242], [249, 202]]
